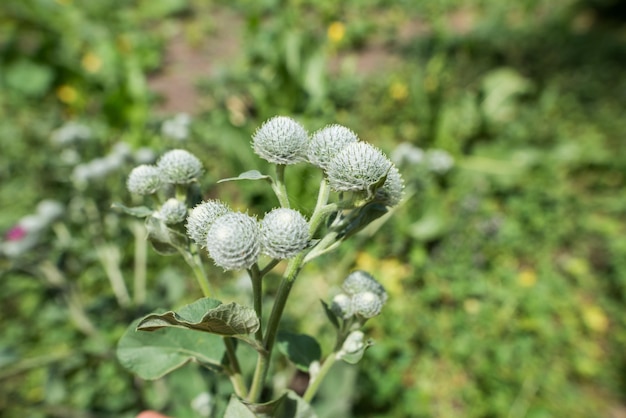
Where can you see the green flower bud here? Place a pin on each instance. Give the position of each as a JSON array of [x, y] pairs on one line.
[[326, 143], [391, 192], [360, 281], [144, 180], [173, 211], [284, 233], [233, 241], [356, 167], [353, 343], [280, 140], [179, 167], [367, 304], [341, 305], [202, 217]]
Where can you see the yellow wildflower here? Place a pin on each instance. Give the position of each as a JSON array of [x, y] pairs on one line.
[[91, 62], [336, 32], [67, 94]]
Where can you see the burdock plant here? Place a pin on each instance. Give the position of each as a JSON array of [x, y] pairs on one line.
[[358, 185]]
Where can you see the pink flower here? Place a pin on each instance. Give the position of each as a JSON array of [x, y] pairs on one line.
[[150, 414], [16, 233]]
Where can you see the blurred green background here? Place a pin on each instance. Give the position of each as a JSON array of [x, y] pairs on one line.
[[506, 264]]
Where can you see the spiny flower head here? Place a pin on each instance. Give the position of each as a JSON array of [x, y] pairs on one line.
[[233, 241], [179, 167], [391, 192], [360, 281], [173, 211], [202, 217], [367, 304], [284, 233], [280, 140], [357, 167], [144, 180], [327, 142]]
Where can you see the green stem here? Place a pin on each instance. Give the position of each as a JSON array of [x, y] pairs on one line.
[[321, 207], [317, 380], [192, 258], [235, 375], [279, 186], [257, 295], [141, 256]]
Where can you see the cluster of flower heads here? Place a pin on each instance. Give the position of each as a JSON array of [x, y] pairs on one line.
[[362, 297], [234, 240], [350, 165], [174, 167], [437, 161]]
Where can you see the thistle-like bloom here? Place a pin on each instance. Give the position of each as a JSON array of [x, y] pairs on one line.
[[179, 167], [233, 241], [360, 281], [144, 180], [326, 143], [281, 140], [202, 217], [284, 233], [391, 192], [367, 304], [356, 167], [173, 211], [341, 305]]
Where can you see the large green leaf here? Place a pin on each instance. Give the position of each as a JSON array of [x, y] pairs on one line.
[[151, 355], [207, 315], [289, 405], [300, 349]]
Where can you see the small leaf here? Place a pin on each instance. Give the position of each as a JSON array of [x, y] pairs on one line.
[[289, 405], [356, 356], [249, 175], [165, 240], [152, 355], [330, 314], [137, 211], [207, 315], [300, 349], [359, 219]]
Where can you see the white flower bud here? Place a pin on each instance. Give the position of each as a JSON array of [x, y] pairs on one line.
[[360, 281], [179, 167], [144, 180], [390, 193], [367, 304], [341, 305], [326, 143], [353, 343], [280, 140], [202, 217], [284, 233], [439, 161], [356, 167], [233, 241], [173, 211]]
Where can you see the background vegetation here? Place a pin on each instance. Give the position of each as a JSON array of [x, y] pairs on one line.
[[506, 272]]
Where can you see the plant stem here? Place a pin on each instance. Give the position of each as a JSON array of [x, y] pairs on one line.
[[279, 186], [141, 256], [263, 362], [235, 375], [109, 256], [316, 382], [257, 295], [192, 258]]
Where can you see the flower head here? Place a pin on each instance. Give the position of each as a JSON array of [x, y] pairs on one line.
[[341, 305], [233, 241], [173, 211], [356, 167], [367, 304], [280, 140], [179, 167], [360, 281], [327, 142], [202, 217], [144, 180], [284, 233]]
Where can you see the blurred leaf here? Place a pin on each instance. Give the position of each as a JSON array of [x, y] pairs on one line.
[[331, 315], [289, 405], [300, 349], [249, 175], [152, 355], [137, 211], [28, 77], [164, 240], [501, 87], [207, 315]]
